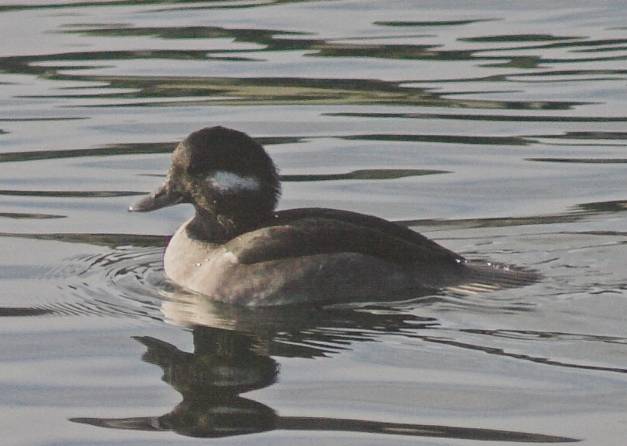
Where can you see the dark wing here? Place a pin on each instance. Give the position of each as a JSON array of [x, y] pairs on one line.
[[303, 232]]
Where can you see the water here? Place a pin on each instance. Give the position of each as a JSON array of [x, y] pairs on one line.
[[496, 128]]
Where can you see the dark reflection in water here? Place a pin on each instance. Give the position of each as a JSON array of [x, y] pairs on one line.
[[604, 206], [581, 160], [517, 38], [69, 194], [576, 213], [111, 150], [364, 174], [111, 240], [298, 331], [525, 357], [461, 139], [255, 91], [481, 117], [22, 311], [117, 149], [595, 138], [543, 335], [225, 364], [51, 118], [271, 39], [404, 24], [275, 90], [58, 4], [28, 216]]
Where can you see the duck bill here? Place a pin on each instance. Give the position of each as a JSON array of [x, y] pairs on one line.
[[162, 197]]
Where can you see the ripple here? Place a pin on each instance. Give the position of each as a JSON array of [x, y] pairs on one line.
[[143, 90], [575, 213], [481, 117], [52, 118], [126, 282], [22, 311], [32, 216], [116, 150], [363, 174], [598, 135], [478, 303], [67, 193], [403, 23], [581, 160], [272, 38], [451, 139], [111, 240], [518, 38], [538, 359], [110, 150], [532, 335]]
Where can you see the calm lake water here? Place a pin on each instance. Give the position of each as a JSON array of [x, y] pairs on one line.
[[497, 128]]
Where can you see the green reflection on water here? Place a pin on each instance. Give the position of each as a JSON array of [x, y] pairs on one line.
[[266, 37], [281, 91], [214, 90]]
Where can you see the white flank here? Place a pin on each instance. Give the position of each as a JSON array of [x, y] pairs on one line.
[[229, 182], [229, 257]]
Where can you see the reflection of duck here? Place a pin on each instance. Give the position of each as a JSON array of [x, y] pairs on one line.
[[226, 363], [237, 249], [303, 331], [223, 365]]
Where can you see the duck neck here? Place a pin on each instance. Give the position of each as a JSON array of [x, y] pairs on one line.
[[220, 227]]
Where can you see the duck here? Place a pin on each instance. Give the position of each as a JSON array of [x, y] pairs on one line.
[[238, 249]]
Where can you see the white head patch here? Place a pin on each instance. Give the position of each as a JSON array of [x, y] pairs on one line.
[[231, 182]]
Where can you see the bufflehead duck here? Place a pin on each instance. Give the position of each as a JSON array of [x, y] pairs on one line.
[[238, 249]]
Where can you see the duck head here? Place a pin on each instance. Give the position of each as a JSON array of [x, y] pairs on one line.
[[227, 176]]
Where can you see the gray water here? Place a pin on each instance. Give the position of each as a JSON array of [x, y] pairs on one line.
[[496, 128]]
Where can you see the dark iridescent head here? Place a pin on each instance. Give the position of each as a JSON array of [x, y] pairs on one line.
[[224, 173]]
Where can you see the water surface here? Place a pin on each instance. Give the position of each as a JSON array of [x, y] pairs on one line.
[[495, 128]]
